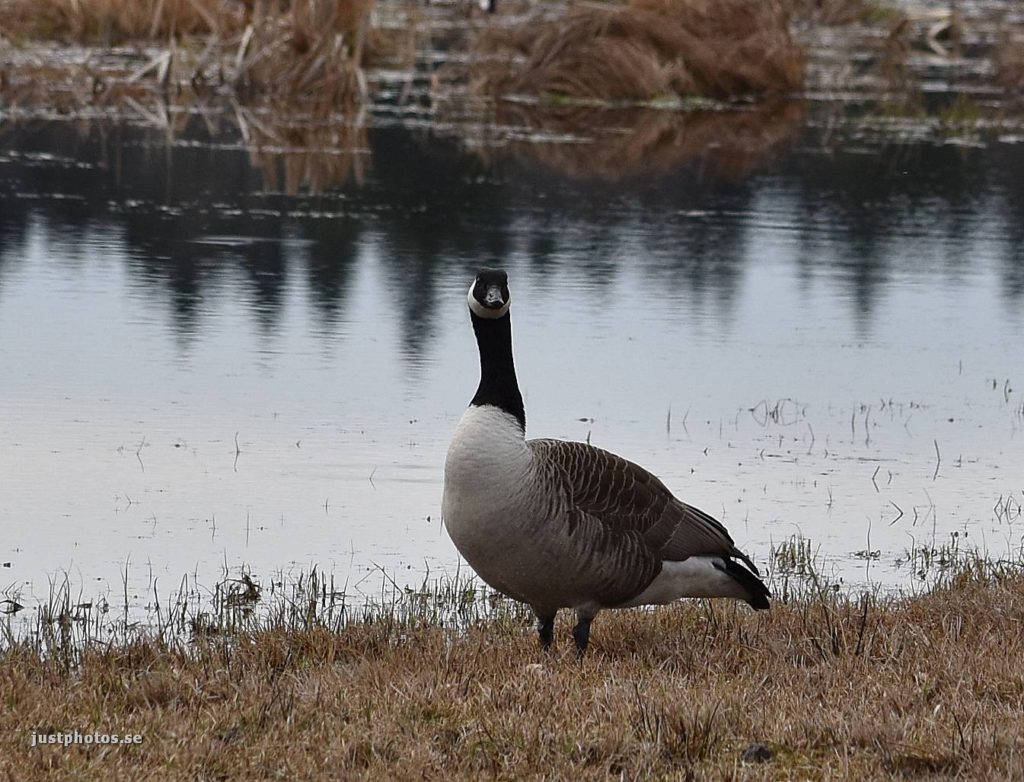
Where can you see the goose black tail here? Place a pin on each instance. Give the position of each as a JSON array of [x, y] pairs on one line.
[[758, 592]]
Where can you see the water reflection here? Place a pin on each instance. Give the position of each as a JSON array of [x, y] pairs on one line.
[[306, 156], [214, 368], [196, 218], [619, 143]]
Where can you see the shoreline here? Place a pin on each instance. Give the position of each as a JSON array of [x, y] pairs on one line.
[[827, 684]]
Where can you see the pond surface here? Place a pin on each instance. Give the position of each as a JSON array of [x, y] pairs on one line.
[[200, 373]]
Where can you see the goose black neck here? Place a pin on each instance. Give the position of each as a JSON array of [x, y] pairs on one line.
[[498, 385]]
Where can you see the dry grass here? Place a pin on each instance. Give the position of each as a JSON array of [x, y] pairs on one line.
[[834, 687], [312, 50], [107, 22], [644, 51], [303, 53], [285, 73], [112, 22]]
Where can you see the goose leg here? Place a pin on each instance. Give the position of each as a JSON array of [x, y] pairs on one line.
[[581, 632], [545, 627]]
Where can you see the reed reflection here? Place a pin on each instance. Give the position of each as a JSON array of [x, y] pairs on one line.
[[618, 143], [200, 222]]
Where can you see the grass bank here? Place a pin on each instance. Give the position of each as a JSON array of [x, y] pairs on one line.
[[451, 683]]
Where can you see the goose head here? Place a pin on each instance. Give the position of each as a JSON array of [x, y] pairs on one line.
[[488, 295]]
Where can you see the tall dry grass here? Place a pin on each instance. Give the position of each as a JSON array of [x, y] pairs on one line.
[[306, 52], [312, 50], [287, 74], [824, 686], [646, 50], [109, 22]]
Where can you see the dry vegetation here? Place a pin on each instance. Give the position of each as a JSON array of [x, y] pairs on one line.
[[107, 22], [286, 75], [646, 50], [721, 80], [306, 53], [290, 74], [618, 89], [111, 22], [832, 686]]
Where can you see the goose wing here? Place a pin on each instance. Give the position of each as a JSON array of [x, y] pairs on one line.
[[628, 500]]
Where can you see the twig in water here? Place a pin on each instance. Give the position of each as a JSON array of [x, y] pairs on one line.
[[897, 507], [668, 421], [138, 453], [151, 117], [938, 460], [155, 64], [879, 467], [124, 583]]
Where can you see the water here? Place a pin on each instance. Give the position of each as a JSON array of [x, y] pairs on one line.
[[199, 371]]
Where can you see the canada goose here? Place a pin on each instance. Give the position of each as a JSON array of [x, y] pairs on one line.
[[559, 524]]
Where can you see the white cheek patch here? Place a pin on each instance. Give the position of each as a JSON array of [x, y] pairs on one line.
[[482, 311]]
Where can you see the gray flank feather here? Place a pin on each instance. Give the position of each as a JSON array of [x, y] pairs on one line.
[[628, 501]]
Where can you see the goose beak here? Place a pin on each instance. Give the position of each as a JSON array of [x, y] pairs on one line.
[[493, 299]]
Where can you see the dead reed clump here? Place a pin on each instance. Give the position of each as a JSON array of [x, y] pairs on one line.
[[308, 51], [306, 54], [109, 22], [648, 50]]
